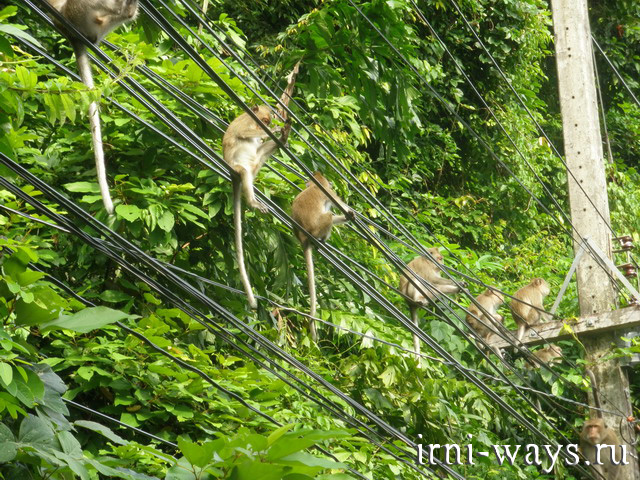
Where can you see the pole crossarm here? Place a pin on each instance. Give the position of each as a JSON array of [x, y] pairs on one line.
[[623, 319]]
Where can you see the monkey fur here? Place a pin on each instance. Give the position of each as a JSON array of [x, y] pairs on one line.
[[548, 355], [245, 150]]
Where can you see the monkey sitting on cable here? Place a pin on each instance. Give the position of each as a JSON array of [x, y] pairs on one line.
[[548, 355], [529, 313], [245, 151], [95, 19], [311, 209], [424, 268], [596, 432], [490, 300]]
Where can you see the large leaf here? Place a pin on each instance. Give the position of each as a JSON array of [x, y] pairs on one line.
[[102, 430], [88, 319]]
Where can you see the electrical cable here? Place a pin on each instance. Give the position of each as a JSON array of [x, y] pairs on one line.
[[615, 71], [531, 116], [463, 122]]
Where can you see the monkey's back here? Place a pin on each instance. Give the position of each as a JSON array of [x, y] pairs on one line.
[[421, 266], [241, 141], [308, 210]]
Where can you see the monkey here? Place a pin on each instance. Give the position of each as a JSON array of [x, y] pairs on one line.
[[490, 301], [525, 315], [548, 355], [311, 209], [94, 19], [245, 151], [595, 432], [424, 268]]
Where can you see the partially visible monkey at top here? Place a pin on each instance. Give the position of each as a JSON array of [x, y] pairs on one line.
[[95, 19], [427, 270], [245, 150], [311, 209]]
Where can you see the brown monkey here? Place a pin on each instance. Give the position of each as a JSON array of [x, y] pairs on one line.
[[525, 315], [595, 434], [95, 19], [490, 301], [244, 149], [548, 355], [311, 210], [424, 268]]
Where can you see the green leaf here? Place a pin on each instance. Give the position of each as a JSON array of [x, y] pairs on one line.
[[303, 458], [47, 306], [36, 431], [88, 319], [130, 213], [166, 221], [82, 187], [114, 296], [198, 455], [29, 277], [6, 373], [102, 430], [16, 32], [279, 432], [8, 448]]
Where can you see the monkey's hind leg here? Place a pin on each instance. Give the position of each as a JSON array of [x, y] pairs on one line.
[[237, 217], [308, 256]]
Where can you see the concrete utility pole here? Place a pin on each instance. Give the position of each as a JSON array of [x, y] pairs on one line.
[[583, 152]]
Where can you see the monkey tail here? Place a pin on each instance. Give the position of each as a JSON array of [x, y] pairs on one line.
[[596, 395], [84, 68], [413, 309], [308, 256], [237, 218]]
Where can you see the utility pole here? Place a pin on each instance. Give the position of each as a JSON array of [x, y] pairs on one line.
[[589, 204]]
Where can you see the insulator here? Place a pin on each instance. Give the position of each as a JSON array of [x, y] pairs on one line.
[[628, 270], [626, 243]]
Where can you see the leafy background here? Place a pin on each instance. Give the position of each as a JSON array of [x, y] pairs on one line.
[[65, 358]]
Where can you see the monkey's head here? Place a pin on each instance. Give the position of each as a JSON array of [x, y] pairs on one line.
[[437, 256], [542, 285], [555, 351], [320, 178], [263, 112], [593, 430]]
